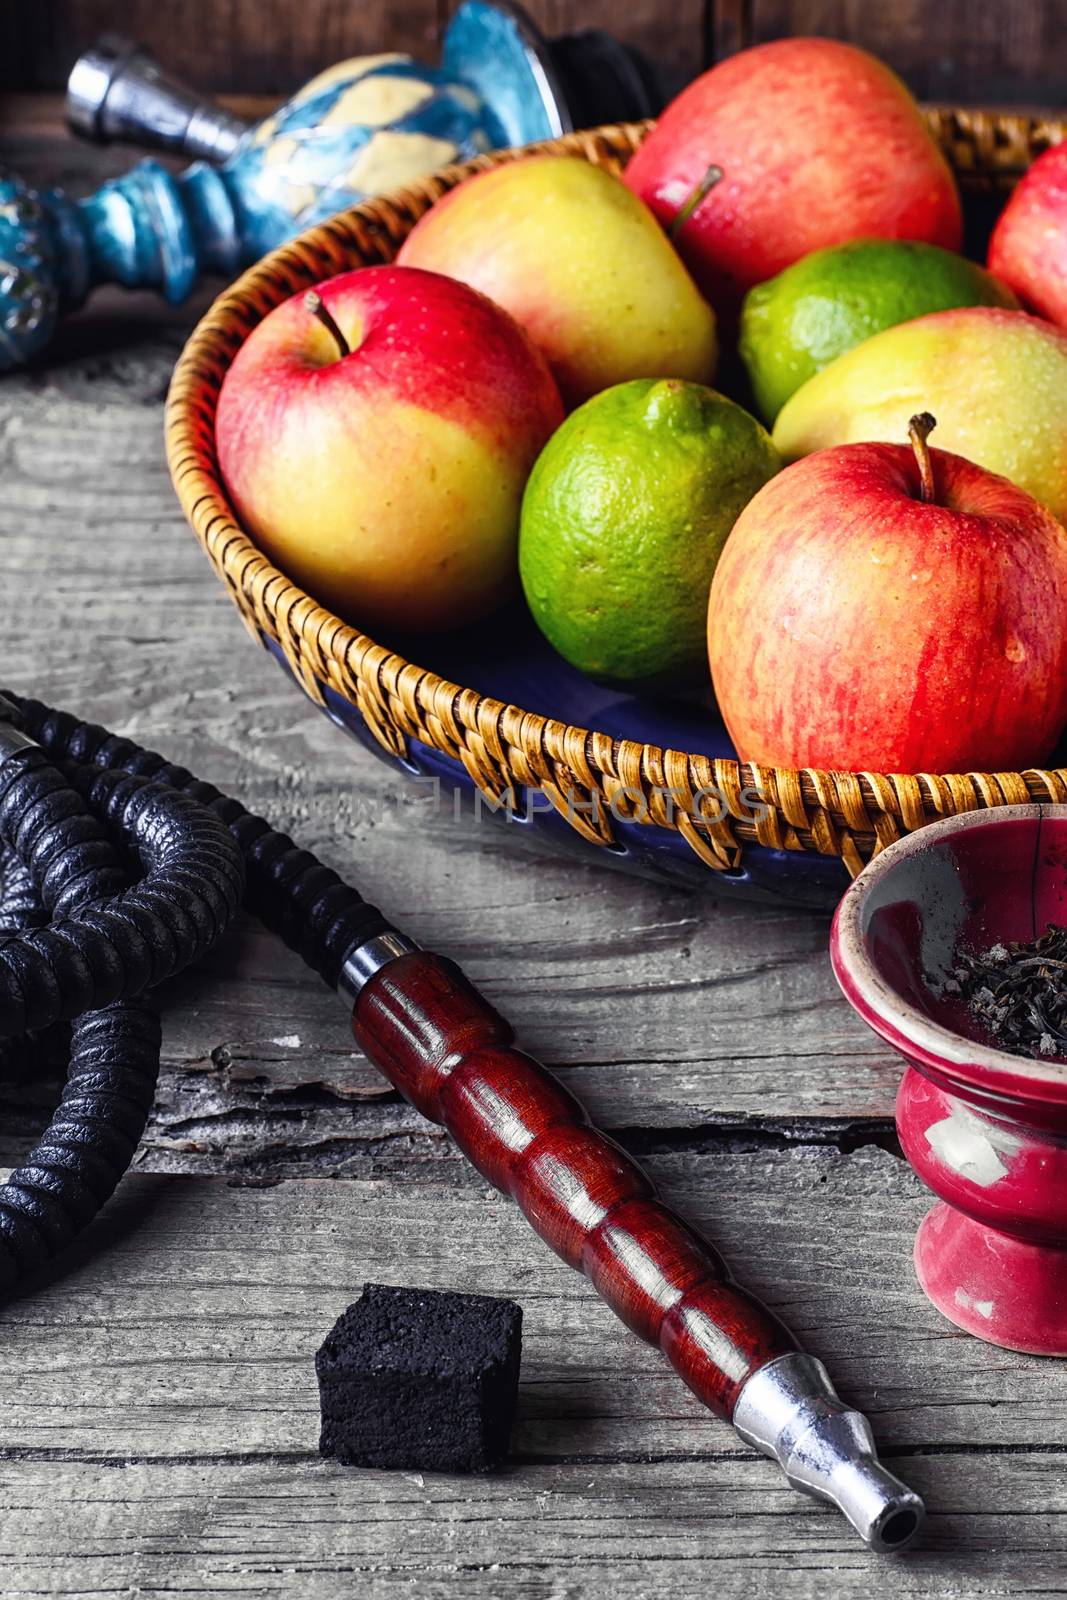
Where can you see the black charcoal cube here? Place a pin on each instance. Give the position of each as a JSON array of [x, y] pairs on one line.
[[414, 1378]]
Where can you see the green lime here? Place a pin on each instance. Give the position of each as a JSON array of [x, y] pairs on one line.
[[624, 516], [797, 323]]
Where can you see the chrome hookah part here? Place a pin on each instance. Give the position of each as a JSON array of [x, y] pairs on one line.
[[117, 92], [12, 738], [789, 1410], [361, 963]]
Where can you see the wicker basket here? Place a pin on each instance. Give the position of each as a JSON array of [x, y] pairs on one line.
[[589, 777]]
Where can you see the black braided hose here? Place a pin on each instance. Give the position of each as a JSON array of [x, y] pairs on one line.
[[118, 870]]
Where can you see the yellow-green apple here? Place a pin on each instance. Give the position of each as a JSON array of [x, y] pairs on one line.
[[885, 609], [816, 142], [376, 437], [996, 380], [581, 264], [1029, 244]]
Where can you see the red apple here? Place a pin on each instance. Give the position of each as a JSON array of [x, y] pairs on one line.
[[856, 625], [817, 142], [377, 451], [1029, 244]]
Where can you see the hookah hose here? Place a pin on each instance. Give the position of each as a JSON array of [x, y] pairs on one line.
[[82, 816], [118, 870]]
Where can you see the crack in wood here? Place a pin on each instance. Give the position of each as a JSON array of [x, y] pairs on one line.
[[739, 1455], [305, 1132], [741, 1136]]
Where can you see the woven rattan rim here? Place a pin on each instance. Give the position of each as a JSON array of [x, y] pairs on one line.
[[592, 779]]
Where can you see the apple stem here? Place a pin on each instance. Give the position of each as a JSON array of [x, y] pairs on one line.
[[314, 303], [919, 430], [707, 183]]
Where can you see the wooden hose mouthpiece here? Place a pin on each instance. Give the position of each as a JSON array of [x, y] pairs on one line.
[[450, 1053]]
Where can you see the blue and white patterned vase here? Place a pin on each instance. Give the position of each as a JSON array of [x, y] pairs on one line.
[[362, 127]]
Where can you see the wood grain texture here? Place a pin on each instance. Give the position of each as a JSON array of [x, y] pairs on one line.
[[159, 1422], [968, 51], [264, 46], [635, 1530], [271, 48]]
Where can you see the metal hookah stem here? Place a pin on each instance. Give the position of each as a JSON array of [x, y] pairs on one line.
[[118, 92]]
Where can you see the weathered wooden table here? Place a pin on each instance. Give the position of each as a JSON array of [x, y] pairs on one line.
[[158, 1398]]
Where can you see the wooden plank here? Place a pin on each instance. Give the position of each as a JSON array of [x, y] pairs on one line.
[[631, 1531], [257, 46], [958, 50], [247, 47], [977, 53], [261, 1077], [184, 1324], [179, 1355], [729, 27]]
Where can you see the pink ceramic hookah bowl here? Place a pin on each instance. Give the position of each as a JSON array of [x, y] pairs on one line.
[[987, 1131]]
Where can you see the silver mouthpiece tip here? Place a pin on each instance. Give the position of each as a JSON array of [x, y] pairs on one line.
[[790, 1411], [12, 738]]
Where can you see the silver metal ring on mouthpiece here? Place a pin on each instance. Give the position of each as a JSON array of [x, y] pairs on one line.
[[365, 960], [790, 1411], [12, 737]]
